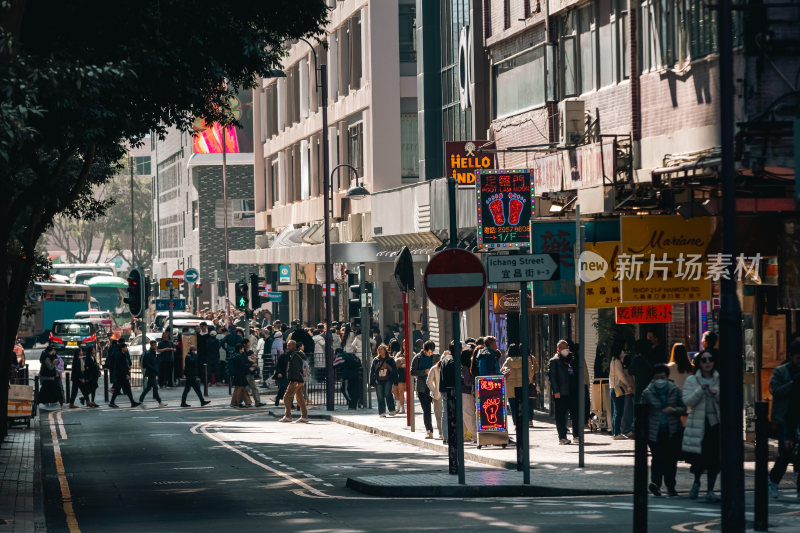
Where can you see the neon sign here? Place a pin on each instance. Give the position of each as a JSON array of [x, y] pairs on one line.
[[490, 407]]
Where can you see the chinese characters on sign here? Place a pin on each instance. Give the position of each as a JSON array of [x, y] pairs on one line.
[[491, 403], [603, 290], [505, 208], [462, 159], [644, 314]]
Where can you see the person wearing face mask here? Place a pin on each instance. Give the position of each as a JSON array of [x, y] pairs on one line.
[[664, 409], [564, 386]]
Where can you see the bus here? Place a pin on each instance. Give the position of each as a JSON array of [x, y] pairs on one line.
[[47, 302], [110, 292], [67, 269]]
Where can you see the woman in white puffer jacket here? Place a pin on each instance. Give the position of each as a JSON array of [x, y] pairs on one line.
[[701, 436]]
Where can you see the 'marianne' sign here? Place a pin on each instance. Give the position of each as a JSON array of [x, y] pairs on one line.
[[491, 403]]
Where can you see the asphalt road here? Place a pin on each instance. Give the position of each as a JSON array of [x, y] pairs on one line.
[[221, 469]]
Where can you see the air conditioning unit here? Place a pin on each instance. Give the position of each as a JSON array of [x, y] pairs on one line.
[[571, 122]]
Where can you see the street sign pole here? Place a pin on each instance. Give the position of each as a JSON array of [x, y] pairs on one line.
[[459, 436], [366, 400], [581, 334], [144, 340], [523, 339], [171, 305]]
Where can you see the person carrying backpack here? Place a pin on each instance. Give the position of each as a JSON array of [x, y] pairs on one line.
[[488, 359]]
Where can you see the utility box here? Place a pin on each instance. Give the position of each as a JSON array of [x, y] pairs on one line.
[[571, 122]]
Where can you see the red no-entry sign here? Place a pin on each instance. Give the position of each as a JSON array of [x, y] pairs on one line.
[[455, 280]]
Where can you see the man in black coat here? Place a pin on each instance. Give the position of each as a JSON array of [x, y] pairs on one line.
[[564, 386], [150, 368], [190, 372], [212, 353], [303, 339], [122, 376], [202, 349]]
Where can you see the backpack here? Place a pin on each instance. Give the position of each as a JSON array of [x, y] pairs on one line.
[[487, 363]]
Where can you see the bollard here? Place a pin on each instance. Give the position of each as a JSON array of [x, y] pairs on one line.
[[761, 515], [68, 386], [640, 470], [205, 379], [36, 388], [105, 384]]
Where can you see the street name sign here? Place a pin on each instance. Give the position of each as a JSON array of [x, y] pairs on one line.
[[275, 296], [178, 304], [454, 280], [527, 267]]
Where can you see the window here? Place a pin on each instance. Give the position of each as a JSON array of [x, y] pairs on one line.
[[506, 14], [305, 169], [624, 59], [587, 49], [142, 164], [520, 82], [410, 145], [408, 41], [605, 38], [241, 213], [355, 147], [570, 73], [195, 215]]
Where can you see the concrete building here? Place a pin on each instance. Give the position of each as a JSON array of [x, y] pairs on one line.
[[372, 125], [188, 207]]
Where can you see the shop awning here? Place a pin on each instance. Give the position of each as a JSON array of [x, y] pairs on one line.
[[341, 252]]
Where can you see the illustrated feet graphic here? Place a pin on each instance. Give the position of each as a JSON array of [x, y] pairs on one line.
[[515, 205], [496, 207]]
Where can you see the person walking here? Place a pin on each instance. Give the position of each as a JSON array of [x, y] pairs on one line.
[[296, 378], [79, 380], [92, 372], [785, 388], [382, 375], [680, 368], [212, 349], [664, 407], [190, 372], [447, 385], [469, 421], [619, 387], [166, 360], [432, 382], [564, 385], [512, 370], [487, 360], [281, 368], [252, 374], [48, 374], [150, 367], [122, 376], [238, 365], [420, 366], [399, 389], [701, 436]]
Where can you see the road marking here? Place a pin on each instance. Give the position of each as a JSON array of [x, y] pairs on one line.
[[66, 495], [61, 429], [193, 467]]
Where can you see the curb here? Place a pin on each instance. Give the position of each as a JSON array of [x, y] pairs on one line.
[[469, 491]]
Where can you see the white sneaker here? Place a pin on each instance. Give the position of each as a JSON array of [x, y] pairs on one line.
[[774, 491], [285, 419], [302, 420], [162, 404]]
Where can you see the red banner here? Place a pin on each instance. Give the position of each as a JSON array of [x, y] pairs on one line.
[[644, 314]]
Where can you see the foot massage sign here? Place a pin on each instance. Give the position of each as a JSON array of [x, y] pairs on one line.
[[505, 208], [491, 403]]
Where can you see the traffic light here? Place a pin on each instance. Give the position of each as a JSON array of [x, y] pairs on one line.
[[255, 296], [241, 295], [354, 303], [136, 292]]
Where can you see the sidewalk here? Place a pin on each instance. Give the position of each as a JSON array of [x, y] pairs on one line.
[[554, 468], [20, 481]]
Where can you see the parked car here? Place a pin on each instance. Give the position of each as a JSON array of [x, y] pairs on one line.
[[163, 316], [135, 343], [70, 334]]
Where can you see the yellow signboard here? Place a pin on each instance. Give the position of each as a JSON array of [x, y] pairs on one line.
[[604, 291], [663, 259], [165, 283]]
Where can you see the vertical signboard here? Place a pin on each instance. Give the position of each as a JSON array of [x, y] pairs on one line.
[[555, 237], [463, 158], [505, 207], [490, 393]]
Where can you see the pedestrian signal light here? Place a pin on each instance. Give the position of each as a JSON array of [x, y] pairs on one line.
[[241, 295]]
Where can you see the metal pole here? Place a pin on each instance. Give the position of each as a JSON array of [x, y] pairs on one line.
[[640, 470], [581, 350], [524, 352], [409, 384], [730, 369], [205, 380], [761, 517], [144, 340], [225, 223], [133, 242], [365, 353], [451, 189], [327, 201]]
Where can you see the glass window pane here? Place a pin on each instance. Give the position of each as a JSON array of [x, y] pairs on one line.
[[587, 51], [570, 74], [519, 83], [605, 38]]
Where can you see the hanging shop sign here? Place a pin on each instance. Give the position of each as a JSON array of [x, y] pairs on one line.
[[597, 268], [644, 314], [555, 238], [464, 158], [505, 207], [581, 167], [490, 392], [663, 259]]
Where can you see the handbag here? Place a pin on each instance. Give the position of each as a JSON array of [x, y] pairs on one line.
[[533, 392]]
